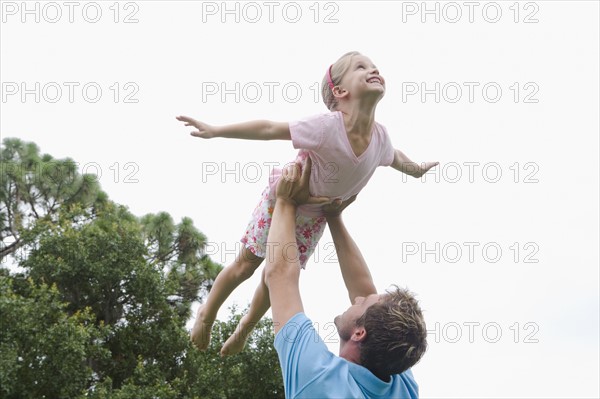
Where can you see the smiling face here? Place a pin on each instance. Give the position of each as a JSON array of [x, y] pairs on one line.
[[353, 75], [346, 322], [363, 78]]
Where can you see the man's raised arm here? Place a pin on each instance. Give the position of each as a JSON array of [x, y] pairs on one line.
[[282, 269], [354, 269]]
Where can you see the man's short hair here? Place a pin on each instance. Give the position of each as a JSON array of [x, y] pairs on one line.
[[396, 334]]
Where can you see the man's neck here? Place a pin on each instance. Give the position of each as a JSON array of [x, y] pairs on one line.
[[350, 350]]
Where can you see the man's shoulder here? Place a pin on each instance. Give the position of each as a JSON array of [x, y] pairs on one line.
[[340, 378], [292, 327], [299, 335], [311, 370]]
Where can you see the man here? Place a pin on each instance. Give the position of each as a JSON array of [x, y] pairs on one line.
[[381, 336]]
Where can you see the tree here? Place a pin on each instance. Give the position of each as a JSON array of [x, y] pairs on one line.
[[253, 374], [113, 288], [34, 188], [44, 351]]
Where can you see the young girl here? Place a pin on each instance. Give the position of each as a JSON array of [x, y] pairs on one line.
[[345, 145]]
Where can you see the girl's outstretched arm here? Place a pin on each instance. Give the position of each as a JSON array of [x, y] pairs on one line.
[[253, 130], [405, 165]]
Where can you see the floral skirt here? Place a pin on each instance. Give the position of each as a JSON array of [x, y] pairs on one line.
[[308, 230]]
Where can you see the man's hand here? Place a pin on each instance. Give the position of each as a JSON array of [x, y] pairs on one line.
[[293, 185], [336, 207], [204, 131]]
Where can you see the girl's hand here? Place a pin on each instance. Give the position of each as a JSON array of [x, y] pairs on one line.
[[204, 131], [425, 166]]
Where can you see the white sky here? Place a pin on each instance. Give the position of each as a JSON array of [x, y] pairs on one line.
[[540, 292]]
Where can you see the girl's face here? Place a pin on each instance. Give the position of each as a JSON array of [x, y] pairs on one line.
[[363, 78]]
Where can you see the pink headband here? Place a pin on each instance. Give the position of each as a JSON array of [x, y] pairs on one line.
[[329, 81]]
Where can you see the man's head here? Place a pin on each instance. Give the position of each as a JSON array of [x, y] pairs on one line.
[[388, 332]]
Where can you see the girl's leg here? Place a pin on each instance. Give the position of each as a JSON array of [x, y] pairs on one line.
[[259, 306], [227, 280]]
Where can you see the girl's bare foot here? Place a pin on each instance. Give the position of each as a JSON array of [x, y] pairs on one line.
[[237, 341], [200, 335]]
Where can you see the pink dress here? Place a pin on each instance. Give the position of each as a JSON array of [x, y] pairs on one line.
[[336, 173]]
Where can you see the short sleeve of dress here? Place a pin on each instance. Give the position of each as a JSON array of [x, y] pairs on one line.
[[387, 149], [307, 133]]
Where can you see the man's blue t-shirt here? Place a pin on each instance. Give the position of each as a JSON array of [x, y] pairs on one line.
[[310, 370]]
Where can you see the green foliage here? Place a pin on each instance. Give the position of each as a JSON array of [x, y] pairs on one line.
[[254, 373], [33, 188], [44, 351], [98, 304]]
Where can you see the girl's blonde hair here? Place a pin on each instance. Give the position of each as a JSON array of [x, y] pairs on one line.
[[338, 70]]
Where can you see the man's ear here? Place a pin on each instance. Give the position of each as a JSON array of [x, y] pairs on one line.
[[359, 334]]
